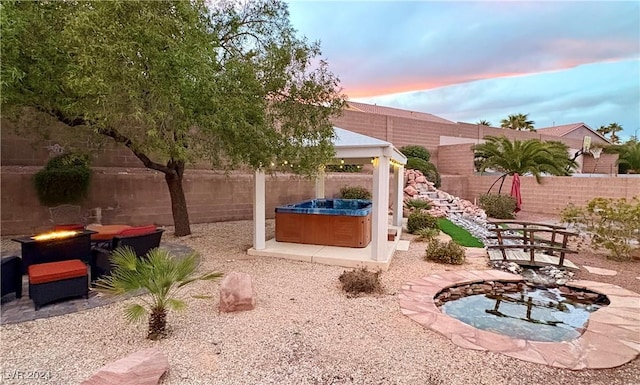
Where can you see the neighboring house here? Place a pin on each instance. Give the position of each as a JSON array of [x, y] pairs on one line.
[[575, 131], [396, 112], [450, 142]]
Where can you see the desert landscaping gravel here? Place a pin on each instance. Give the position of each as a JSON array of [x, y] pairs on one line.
[[304, 330]]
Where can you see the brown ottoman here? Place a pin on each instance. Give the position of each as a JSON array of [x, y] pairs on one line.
[[53, 281]]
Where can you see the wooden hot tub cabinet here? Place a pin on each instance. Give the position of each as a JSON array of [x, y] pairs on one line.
[[324, 228]]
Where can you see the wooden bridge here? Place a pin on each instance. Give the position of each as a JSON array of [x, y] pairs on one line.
[[532, 244]]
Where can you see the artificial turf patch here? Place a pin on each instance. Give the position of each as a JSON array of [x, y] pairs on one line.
[[458, 234]]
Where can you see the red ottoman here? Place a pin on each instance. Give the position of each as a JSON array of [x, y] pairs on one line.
[[53, 281]]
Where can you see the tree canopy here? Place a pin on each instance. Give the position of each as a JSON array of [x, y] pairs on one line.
[[628, 156], [523, 157], [518, 122], [175, 81], [611, 130]]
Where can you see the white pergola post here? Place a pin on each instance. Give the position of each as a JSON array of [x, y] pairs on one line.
[[320, 194], [259, 211], [398, 175], [380, 215]]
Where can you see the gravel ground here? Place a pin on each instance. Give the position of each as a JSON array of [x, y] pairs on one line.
[[304, 330]]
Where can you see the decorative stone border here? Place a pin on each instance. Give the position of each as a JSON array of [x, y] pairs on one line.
[[611, 338]]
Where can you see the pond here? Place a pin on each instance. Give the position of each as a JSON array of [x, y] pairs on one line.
[[532, 313]]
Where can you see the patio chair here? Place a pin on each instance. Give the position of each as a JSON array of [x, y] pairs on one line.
[[11, 280], [140, 239]]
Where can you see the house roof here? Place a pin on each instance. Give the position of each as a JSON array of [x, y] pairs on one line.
[[565, 129], [381, 110]]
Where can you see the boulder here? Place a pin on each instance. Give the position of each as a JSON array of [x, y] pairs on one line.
[[236, 293], [421, 179], [144, 367], [410, 190]]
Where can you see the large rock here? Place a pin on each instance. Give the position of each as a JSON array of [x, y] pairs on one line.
[[236, 293], [144, 367], [411, 191]]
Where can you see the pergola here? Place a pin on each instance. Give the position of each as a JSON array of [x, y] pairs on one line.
[[353, 148]]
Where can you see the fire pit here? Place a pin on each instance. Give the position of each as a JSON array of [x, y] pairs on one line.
[[55, 246]]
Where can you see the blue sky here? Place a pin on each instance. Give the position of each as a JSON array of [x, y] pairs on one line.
[[560, 62]]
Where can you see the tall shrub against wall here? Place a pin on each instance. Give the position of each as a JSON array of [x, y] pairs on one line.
[[65, 179]]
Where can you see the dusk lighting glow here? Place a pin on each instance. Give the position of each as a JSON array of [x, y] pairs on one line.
[[560, 62]]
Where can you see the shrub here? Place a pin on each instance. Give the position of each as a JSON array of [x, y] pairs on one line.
[[498, 206], [428, 169], [354, 192], [343, 168], [611, 223], [449, 252], [361, 280], [65, 179], [426, 234], [421, 220], [414, 151], [418, 204]]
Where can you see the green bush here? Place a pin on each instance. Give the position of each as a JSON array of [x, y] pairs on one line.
[[449, 252], [428, 169], [414, 151], [354, 192], [65, 179], [611, 223], [361, 280], [418, 204], [343, 168], [426, 234], [421, 220], [498, 206]]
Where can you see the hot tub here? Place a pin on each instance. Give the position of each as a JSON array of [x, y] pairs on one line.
[[331, 222]]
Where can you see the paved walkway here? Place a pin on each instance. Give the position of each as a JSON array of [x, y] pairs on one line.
[[611, 338], [22, 309]]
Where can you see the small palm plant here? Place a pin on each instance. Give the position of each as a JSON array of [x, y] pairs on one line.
[[160, 275]]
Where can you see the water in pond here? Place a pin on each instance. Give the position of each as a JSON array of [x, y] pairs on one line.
[[538, 314]]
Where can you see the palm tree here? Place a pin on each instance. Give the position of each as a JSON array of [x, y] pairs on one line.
[[523, 157], [483, 122], [611, 130], [628, 156], [518, 122], [160, 274]]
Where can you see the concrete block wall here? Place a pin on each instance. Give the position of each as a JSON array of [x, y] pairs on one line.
[[141, 196], [554, 194], [455, 159], [605, 164]]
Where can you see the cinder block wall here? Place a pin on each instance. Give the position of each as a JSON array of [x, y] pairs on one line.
[[605, 164], [455, 159], [552, 195], [140, 196]]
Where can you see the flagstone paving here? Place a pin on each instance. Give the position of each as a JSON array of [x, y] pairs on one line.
[[611, 338], [22, 309]]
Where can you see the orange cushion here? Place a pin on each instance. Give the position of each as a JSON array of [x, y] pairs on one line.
[[69, 227], [140, 230], [56, 271]]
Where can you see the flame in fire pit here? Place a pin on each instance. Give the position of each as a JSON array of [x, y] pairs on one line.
[[54, 235]]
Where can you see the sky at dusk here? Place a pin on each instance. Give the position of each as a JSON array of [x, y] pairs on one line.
[[560, 62]]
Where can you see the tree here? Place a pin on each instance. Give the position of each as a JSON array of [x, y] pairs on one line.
[[483, 122], [523, 157], [628, 156], [160, 274], [611, 130], [518, 122], [174, 81]]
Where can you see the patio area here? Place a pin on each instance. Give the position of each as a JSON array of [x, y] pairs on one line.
[[304, 330]]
